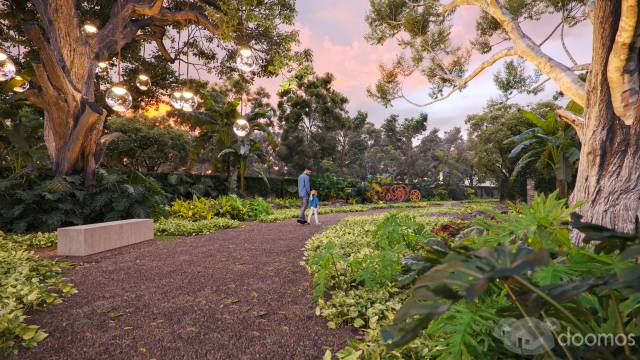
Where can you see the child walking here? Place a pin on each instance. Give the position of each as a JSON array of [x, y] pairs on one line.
[[314, 202]]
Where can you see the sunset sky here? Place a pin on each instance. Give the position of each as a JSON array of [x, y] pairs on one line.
[[334, 30]]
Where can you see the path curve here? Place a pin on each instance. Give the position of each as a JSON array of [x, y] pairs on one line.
[[234, 294]]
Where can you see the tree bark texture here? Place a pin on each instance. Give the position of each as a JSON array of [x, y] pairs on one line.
[[608, 180]]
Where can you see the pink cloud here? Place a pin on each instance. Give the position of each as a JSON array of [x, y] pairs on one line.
[[335, 31]]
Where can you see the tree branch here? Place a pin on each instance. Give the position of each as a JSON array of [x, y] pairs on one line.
[[35, 97], [623, 65], [463, 82], [124, 26], [67, 43], [590, 8], [551, 33], [564, 46], [568, 82], [572, 119], [49, 73], [457, 3]]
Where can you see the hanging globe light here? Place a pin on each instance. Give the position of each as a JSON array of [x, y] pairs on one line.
[[246, 61], [89, 29], [189, 101], [7, 68], [22, 86], [241, 127], [143, 82], [118, 98], [176, 100], [101, 66]]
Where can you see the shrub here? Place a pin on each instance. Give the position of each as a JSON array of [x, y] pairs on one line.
[[145, 147], [180, 185], [258, 208], [196, 209], [399, 229], [32, 240], [232, 207], [540, 224], [440, 194], [34, 201], [26, 283], [179, 227], [226, 206], [588, 290]]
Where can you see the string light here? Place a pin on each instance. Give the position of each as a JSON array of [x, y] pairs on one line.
[[89, 29], [143, 82], [189, 101], [118, 98], [176, 100], [246, 61], [241, 127], [22, 86], [7, 67]]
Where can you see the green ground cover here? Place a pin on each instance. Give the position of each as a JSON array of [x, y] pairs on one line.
[[429, 288]]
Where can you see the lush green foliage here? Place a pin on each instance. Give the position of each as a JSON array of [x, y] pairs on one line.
[[541, 224], [461, 290], [31, 240], [183, 185], [227, 206], [181, 227], [358, 266], [34, 201], [491, 132], [284, 214], [26, 283], [145, 147], [552, 144], [21, 134], [581, 287]]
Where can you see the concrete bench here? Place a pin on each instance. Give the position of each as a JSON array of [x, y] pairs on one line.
[[94, 238]]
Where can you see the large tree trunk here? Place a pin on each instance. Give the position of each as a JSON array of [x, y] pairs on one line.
[[609, 170], [65, 73]]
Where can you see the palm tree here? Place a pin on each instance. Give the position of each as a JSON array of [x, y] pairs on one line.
[[213, 122], [552, 144], [252, 145]]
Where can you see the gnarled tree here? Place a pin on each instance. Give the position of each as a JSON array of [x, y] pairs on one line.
[[609, 168], [46, 39]]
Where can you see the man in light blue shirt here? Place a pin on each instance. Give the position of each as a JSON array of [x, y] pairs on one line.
[[304, 190]]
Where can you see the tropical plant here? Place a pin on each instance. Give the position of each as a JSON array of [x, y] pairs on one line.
[[587, 290], [226, 206], [258, 208], [21, 134], [214, 122], [541, 224], [27, 282], [34, 201], [552, 144]]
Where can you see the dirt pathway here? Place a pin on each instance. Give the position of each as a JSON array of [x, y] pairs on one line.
[[234, 294]]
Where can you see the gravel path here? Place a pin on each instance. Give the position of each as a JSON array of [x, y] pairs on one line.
[[234, 294]]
